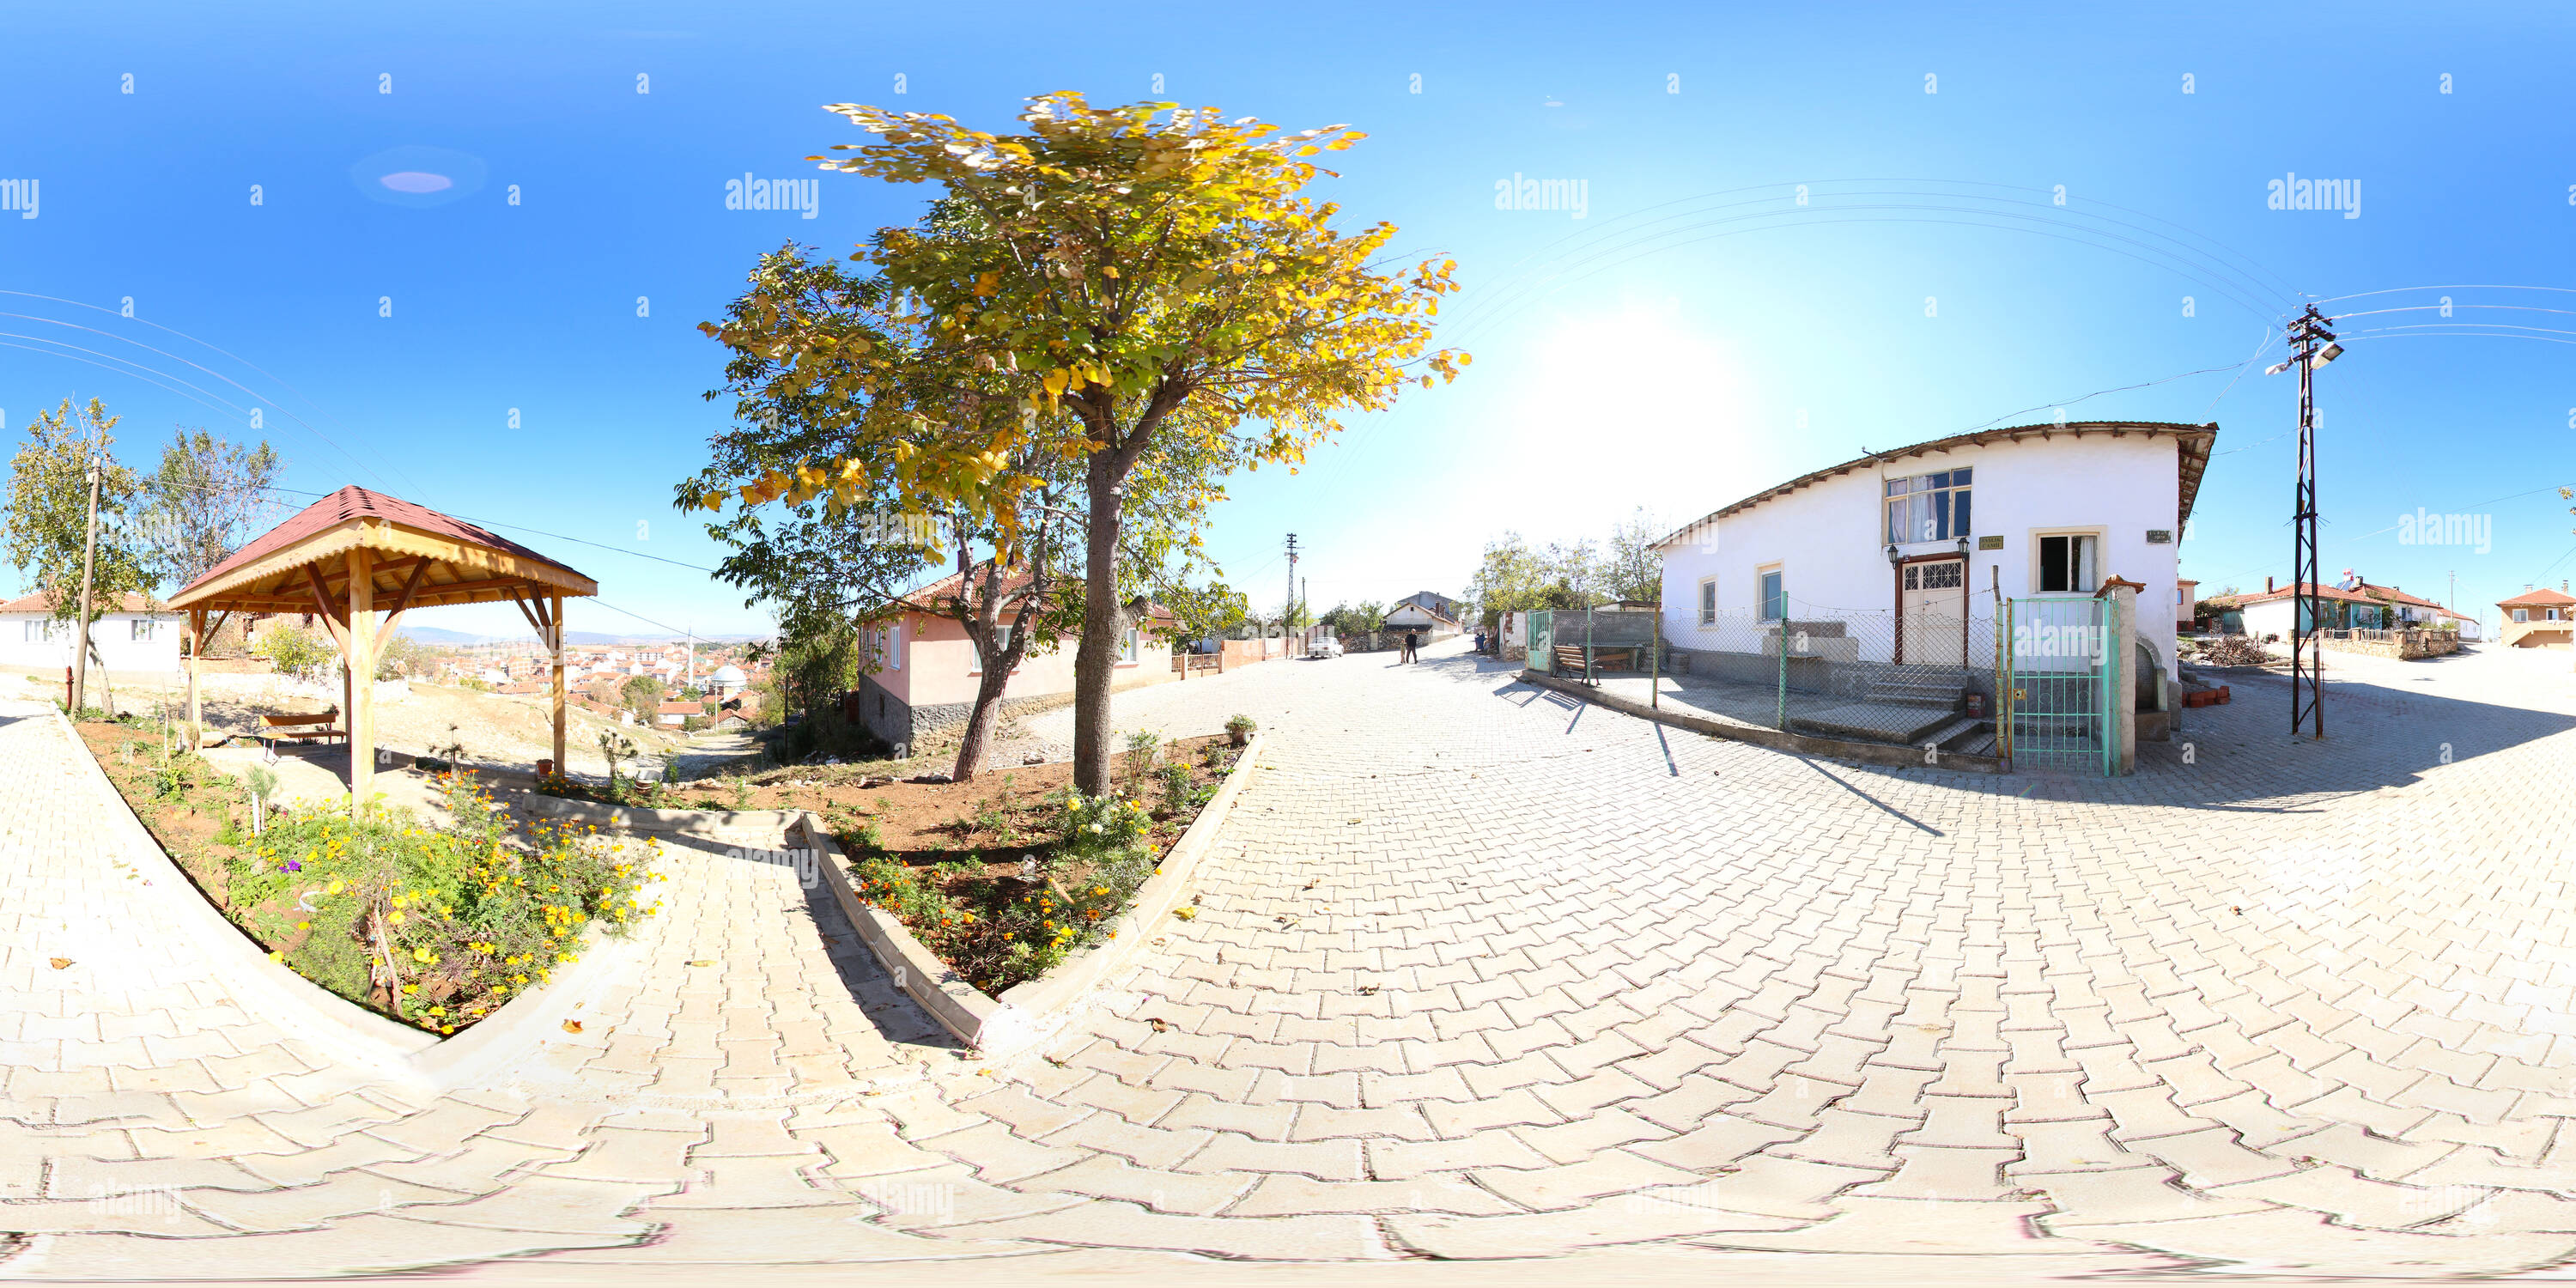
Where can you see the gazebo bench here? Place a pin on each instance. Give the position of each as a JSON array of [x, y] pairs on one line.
[[317, 726]]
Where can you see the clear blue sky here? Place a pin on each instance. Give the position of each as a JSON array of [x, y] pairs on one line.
[[1663, 351]]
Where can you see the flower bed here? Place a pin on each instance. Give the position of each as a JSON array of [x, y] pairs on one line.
[[434, 924], [1031, 870]]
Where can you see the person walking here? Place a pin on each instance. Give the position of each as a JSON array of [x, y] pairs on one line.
[[1411, 642]]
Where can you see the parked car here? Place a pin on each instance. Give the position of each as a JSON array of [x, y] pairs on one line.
[[1328, 646]]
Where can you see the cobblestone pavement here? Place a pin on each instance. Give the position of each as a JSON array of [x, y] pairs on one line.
[[1478, 973]]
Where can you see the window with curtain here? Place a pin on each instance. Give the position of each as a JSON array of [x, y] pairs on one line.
[[1929, 507], [1775, 599]]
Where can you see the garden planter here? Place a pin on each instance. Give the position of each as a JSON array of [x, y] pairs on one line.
[[545, 769], [1239, 736]]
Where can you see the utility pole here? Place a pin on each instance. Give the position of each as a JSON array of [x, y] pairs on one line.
[[89, 558], [2307, 333], [1288, 612]]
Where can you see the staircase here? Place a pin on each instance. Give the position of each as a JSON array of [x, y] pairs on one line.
[[1914, 705]]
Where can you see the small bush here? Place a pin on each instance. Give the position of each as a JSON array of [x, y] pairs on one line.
[[1241, 724], [439, 925]]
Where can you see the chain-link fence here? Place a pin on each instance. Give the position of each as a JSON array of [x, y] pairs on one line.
[[1921, 678]]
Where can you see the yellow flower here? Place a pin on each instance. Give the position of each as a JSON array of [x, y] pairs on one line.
[[277, 957]]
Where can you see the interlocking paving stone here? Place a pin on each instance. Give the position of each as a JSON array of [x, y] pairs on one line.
[[1558, 979]]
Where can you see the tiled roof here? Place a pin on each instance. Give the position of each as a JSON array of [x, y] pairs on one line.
[[2541, 598], [41, 603], [355, 502], [2192, 445]]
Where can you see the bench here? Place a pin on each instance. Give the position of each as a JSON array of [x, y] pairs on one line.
[[1568, 658], [299, 728]]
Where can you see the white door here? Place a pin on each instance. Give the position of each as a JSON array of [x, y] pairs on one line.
[[1933, 611]]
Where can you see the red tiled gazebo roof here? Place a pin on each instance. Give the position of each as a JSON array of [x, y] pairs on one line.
[[465, 564]]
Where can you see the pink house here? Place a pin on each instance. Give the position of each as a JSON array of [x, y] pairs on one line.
[[926, 673]]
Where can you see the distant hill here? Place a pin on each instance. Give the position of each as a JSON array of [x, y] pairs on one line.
[[436, 635]]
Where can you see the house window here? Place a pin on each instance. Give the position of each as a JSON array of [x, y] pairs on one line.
[[1127, 646], [1002, 639], [1775, 599], [1708, 602], [1928, 507], [144, 629], [2065, 565], [2519, 615]]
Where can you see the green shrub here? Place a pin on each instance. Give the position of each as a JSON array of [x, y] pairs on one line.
[[445, 923], [298, 653]]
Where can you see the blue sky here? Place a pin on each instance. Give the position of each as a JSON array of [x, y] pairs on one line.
[[1644, 354]]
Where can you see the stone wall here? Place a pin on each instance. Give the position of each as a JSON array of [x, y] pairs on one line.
[[2403, 646]]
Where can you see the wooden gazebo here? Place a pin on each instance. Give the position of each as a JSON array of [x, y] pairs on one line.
[[354, 552]]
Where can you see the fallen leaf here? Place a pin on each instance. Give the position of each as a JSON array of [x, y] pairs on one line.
[[1160, 1026], [1186, 914], [703, 962], [62, 963], [572, 1026]]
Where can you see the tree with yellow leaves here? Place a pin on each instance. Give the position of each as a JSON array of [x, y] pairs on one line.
[[1112, 286]]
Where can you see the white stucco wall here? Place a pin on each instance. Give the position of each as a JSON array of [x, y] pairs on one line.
[[1830, 538], [114, 636]]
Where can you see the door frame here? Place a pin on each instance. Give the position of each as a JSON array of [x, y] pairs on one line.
[[1966, 583]]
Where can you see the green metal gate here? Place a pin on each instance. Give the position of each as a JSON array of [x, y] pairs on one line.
[[1542, 641], [2061, 679]]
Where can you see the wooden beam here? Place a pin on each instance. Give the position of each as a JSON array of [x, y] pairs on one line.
[[322, 600], [531, 614], [361, 656], [196, 659], [402, 604], [554, 641]]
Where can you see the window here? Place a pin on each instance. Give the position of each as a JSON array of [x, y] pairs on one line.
[[2065, 565], [36, 632], [1002, 639], [1708, 602], [1127, 646], [1928, 507], [2519, 615], [145, 628], [1775, 600]]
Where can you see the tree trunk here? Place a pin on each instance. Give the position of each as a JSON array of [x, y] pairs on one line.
[[1095, 662], [980, 721]]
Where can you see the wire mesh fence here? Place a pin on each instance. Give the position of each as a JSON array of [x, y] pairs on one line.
[[1922, 678]]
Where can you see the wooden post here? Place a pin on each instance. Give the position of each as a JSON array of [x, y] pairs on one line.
[[1655, 660], [554, 643], [196, 654], [361, 657]]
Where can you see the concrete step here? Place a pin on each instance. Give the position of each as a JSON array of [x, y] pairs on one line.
[[1946, 697], [1965, 735], [1874, 722]]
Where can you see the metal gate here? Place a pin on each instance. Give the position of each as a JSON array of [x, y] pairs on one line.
[[1542, 641], [2061, 677]]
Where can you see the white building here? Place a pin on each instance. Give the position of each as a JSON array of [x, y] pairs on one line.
[[1909, 547], [727, 681], [132, 638]]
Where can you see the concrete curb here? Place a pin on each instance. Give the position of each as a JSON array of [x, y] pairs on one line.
[[272, 992], [1027, 1012], [1867, 753]]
